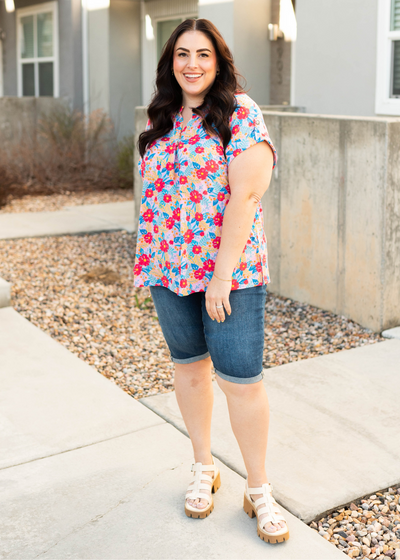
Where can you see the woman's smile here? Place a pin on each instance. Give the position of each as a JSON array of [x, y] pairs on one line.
[[194, 66]]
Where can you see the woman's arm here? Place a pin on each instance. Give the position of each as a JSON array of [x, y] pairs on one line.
[[249, 177]]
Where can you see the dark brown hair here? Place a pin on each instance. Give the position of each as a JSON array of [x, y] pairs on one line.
[[219, 103]]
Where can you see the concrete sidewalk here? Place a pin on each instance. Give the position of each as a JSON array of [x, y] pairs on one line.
[[89, 218], [334, 430], [88, 472]]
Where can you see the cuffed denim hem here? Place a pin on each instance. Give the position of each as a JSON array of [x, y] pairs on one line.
[[190, 360], [240, 380]]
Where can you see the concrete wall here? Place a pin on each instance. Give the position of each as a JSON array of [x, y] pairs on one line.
[[125, 74], [19, 116], [335, 58], [332, 213], [244, 26]]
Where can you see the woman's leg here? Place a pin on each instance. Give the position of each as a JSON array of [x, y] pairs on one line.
[[195, 396], [249, 416]]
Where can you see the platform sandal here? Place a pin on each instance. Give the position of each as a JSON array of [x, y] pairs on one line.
[[195, 488], [268, 506]]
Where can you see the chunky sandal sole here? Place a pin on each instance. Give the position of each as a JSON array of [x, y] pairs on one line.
[[203, 513], [266, 537]]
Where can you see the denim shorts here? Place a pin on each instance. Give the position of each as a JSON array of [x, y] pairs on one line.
[[235, 345]]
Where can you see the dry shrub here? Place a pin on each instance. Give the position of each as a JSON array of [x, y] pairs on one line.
[[67, 152]]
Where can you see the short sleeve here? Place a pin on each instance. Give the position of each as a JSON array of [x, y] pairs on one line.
[[248, 128]]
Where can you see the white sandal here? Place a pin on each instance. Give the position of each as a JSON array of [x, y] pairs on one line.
[[270, 507], [195, 488]]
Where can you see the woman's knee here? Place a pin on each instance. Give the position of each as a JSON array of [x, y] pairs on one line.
[[196, 370], [230, 388]]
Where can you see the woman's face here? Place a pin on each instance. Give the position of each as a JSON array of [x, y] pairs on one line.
[[195, 65]]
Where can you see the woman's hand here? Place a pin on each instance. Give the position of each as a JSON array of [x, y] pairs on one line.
[[217, 294]]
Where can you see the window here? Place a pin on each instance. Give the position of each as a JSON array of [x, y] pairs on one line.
[[164, 30], [388, 69], [37, 50]]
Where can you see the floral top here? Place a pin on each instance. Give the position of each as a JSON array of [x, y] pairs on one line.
[[185, 192]]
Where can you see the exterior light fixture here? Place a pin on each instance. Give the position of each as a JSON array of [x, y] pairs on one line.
[[149, 28], [92, 5], [287, 28], [10, 6]]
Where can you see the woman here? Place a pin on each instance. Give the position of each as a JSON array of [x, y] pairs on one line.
[[205, 261]]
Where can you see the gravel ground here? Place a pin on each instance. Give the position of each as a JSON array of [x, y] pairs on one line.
[[54, 202], [111, 325], [368, 528], [79, 290]]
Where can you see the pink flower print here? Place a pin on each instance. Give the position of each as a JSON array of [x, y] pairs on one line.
[[159, 184], [183, 283], [195, 196], [220, 150], [199, 274], [155, 228], [237, 152], [188, 237], [209, 265], [199, 150], [148, 216], [235, 284], [221, 196], [202, 173], [218, 218], [165, 138], [212, 166], [142, 167], [167, 198], [170, 149], [183, 180], [168, 265], [197, 249], [198, 216], [149, 193], [158, 167], [170, 223], [176, 214], [169, 166], [164, 246], [144, 260], [194, 139], [165, 281], [216, 242], [202, 233], [242, 112], [243, 266], [228, 188], [235, 129], [137, 270], [258, 267], [148, 238]]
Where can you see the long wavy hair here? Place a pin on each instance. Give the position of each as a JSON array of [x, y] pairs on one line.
[[219, 103]]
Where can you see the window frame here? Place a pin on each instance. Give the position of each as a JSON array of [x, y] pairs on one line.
[[34, 11], [384, 103], [160, 19]]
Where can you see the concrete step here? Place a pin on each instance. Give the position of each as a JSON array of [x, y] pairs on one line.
[[334, 428], [73, 220]]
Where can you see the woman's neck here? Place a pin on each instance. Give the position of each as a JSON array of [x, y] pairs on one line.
[[191, 102]]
